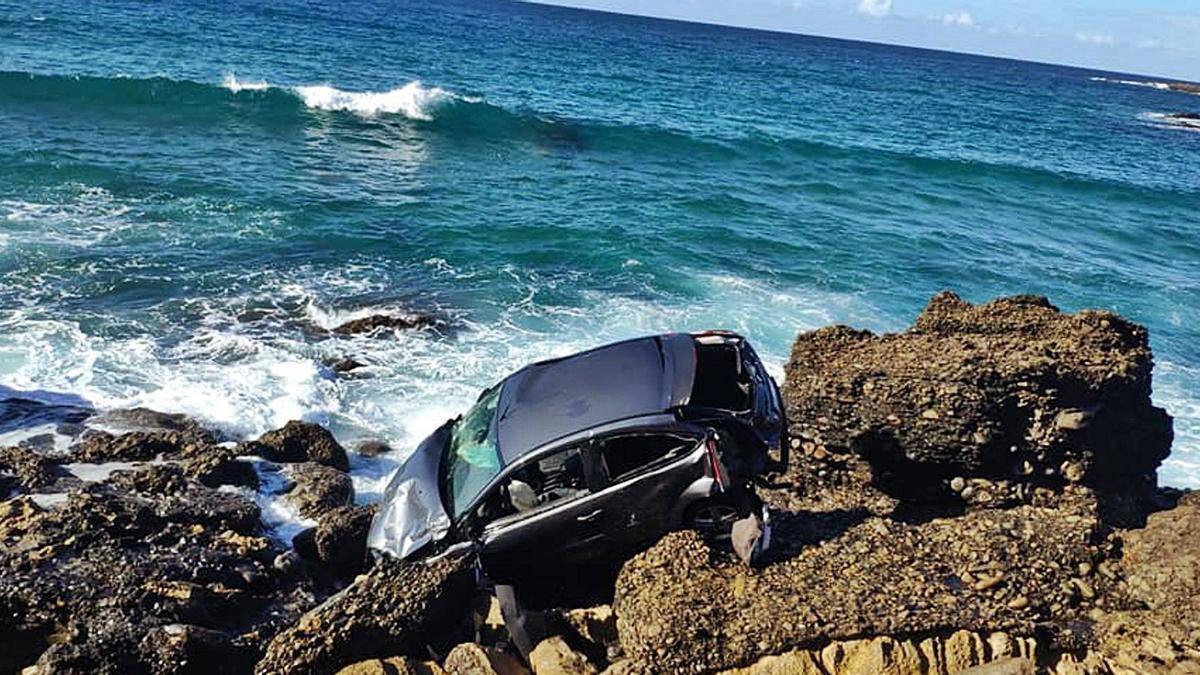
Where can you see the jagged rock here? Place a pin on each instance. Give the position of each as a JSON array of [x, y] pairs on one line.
[[299, 442], [135, 446], [597, 625], [396, 665], [372, 448], [1012, 393], [469, 658], [318, 489], [553, 656], [31, 470], [681, 605], [380, 322], [398, 608], [339, 541], [145, 419], [346, 365], [94, 584], [215, 465]]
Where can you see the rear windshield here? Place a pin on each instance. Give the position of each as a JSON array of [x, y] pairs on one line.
[[471, 459], [721, 381]]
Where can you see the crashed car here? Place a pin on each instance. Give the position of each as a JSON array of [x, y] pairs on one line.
[[586, 458]]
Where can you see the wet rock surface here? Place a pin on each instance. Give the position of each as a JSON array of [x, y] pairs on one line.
[[318, 489], [29, 469], [299, 442], [339, 541], [377, 323]]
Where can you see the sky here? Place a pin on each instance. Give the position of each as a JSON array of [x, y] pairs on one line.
[[1149, 37]]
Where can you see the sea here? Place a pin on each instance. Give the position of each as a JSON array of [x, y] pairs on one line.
[[192, 193]]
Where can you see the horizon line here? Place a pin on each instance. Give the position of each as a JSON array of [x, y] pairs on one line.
[[784, 31]]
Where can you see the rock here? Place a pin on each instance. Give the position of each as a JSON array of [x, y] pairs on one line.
[[182, 648], [384, 322], [215, 466], [299, 442], [29, 469], [396, 665], [372, 448], [346, 365], [318, 489], [99, 583], [1013, 391], [1009, 666], [553, 656], [339, 541], [136, 446], [145, 419], [596, 625], [473, 659], [398, 608], [679, 605]]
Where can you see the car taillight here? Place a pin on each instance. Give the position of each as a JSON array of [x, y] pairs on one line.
[[718, 472]]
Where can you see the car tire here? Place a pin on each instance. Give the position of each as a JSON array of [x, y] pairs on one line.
[[713, 518]]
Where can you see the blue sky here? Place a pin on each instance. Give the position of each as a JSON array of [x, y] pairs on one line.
[[1153, 37]]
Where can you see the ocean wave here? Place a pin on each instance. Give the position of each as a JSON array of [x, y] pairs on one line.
[[1184, 87], [413, 100], [1184, 121]]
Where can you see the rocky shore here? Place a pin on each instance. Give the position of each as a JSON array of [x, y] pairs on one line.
[[975, 494]]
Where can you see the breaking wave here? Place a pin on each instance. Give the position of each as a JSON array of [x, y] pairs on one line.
[[412, 100], [1171, 121]]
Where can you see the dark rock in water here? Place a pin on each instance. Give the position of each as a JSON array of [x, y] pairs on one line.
[[42, 443], [299, 442], [345, 365], [995, 399], [318, 489], [137, 446], [215, 466], [396, 608], [683, 606], [145, 419], [1185, 116], [31, 470], [379, 322], [17, 412], [372, 448], [339, 541], [151, 479]]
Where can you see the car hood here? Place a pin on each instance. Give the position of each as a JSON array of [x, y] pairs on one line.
[[411, 514]]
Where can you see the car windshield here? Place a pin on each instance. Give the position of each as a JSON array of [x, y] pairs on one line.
[[472, 458]]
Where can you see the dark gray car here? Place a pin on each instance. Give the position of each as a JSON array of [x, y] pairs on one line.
[[582, 459]]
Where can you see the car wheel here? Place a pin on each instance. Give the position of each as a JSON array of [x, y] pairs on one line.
[[714, 518]]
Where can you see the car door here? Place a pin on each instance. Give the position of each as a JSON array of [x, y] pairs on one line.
[[560, 527], [645, 475]]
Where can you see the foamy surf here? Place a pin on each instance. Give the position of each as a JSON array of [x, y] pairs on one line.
[[413, 100]]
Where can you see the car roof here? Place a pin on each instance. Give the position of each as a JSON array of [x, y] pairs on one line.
[[552, 399]]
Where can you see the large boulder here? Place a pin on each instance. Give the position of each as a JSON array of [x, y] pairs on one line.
[[977, 405], [339, 541], [299, 442], [398, 608], [317, 489], [683, 605]]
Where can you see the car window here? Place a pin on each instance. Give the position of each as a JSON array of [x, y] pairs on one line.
[[627, 455], [538, 485]]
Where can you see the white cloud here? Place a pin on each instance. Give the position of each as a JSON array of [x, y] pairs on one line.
[[875, 8], [958, 19], [1095, 38], [1149, 44]]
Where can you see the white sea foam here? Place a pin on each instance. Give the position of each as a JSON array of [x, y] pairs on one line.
[[84, 216], [235, 85], [413, 100], [1169, 121], [1134, 83]]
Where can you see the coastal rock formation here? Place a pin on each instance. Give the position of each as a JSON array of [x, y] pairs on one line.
[[339, 541], [976, 406], [317, 488], [385, 322], [299, 442], [29, 469], [398, 608]]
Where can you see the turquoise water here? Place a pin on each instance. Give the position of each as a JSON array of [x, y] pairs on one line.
[[186, 189]]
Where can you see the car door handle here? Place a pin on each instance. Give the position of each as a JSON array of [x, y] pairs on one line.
[[590, 517]]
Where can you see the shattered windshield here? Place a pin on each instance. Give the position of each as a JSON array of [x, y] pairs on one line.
[[471, 458]]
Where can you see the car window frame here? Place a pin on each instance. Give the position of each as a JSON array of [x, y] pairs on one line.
[[691, 440], [586, 455]]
